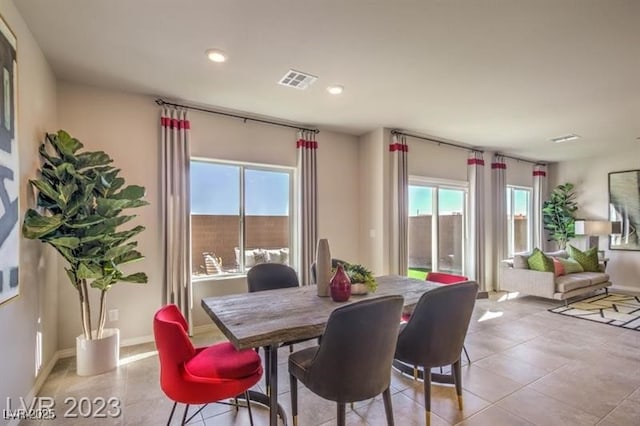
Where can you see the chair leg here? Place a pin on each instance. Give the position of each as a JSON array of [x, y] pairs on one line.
[[235, 402], [172, 411], [466, 354], [290, 349], [293, 384], [246, 397], [427, 395], [457, 380], [184, 416], [342, 413], [388, 408]]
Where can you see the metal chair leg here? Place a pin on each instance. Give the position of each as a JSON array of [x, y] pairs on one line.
[[172, 411], [293, 384], [184, 416], [388, 408], [466, 354], [246, 396]]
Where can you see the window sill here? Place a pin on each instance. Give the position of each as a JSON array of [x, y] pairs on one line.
[[219, 277]]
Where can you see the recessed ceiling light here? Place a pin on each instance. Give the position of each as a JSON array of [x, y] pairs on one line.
[[335, 90], [565, 138], [216, 55]]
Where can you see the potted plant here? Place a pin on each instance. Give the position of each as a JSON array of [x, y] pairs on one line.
[[81, 199], [559, 214], [362, 279]]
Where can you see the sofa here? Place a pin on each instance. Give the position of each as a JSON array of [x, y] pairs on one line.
[[515, 275]]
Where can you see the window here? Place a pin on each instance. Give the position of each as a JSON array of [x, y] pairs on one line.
[[436, 244], [240, 216], [518, 219]]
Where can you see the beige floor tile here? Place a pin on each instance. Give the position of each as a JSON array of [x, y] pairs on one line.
[[635, 396], [540, 409], [537, 357], [626, 414], [405, 412], [486, 384], [512, 368], [444, 402], [494, 416], [581, 386]]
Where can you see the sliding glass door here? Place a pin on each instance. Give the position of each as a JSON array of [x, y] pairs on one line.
[[437, 228]]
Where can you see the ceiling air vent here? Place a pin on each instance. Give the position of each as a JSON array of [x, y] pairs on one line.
[[297, 79], [565, 138]]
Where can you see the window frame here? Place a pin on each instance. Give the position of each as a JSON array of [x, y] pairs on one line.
[[436, 184], [511, 219], [243, 166]]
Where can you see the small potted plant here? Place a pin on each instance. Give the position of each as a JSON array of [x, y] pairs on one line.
[[362, 279]]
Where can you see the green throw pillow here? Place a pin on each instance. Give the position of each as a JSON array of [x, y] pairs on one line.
[[571, 266], [539, 262], [587, 259]]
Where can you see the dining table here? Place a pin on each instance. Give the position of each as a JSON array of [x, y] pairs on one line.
[[269, 318]]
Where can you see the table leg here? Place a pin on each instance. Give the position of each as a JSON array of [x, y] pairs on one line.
[[272, 359]]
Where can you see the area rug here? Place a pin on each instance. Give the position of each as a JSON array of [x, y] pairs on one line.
[[614, 309]]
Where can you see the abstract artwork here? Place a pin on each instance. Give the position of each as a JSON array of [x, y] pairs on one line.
[[624, 207], [9, 177]]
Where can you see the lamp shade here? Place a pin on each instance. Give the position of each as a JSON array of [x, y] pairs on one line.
[[593, 227]]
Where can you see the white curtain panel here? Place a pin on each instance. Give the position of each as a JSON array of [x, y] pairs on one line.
[[176, 214], [499, 190], [399, 150], [476, 218], [539, 195], [308, 198]]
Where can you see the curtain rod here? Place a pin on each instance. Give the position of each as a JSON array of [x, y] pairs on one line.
[[535, 163], [161, 101], [398, 132]]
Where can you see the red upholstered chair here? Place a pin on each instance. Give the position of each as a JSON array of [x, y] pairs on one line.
[[446, 279], [200, 375]]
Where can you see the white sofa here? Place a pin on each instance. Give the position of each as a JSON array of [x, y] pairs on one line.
[[515, 275], [263, 255]]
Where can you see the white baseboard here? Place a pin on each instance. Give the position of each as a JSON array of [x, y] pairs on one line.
[[68, 352], [204, 328], [625, 289], [42, 377]]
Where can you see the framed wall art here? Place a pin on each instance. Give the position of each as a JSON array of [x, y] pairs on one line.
[[624, 207], [9, 176]]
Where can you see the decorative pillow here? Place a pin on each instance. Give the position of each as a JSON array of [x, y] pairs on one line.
[[570, 266], [558, 267], [539, 262], [259, 256], [284, 255], [273, 255], [587, 259], [520, 261]]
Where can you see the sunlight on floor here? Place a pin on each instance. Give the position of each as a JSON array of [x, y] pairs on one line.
[[137, 357], [489, 315], [508, 296]]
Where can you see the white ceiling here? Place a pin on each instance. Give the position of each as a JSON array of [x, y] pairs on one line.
[[502, 74]]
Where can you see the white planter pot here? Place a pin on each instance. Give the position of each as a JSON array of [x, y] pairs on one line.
[[99, 355]]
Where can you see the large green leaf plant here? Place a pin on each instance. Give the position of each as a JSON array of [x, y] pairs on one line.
[[81, 199], [559, 214]]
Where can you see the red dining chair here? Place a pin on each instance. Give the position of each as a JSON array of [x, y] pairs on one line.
[[200, 375], [446, 279]]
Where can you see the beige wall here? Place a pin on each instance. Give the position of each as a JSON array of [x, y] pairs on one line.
[[125, 126], [590, 177], [33, 313]]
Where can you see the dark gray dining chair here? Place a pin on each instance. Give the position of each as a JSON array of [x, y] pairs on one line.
[[435, 333], [271, 276], [353, 361]]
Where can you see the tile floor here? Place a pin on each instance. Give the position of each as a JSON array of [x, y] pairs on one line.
[[528, 366]]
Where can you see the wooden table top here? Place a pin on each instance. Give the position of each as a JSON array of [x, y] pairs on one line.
[[271, 317]]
